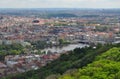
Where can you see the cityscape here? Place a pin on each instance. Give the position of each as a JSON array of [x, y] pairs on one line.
[[85, 27], [63, 40]]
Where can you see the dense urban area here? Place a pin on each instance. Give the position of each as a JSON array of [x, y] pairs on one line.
[[28, 36]]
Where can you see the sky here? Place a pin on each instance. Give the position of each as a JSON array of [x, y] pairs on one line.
[[59, 3]]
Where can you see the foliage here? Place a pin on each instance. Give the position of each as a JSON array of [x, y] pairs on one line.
[[62, 42], [106, 66], [40, 44], [78, 58], [13, 49]]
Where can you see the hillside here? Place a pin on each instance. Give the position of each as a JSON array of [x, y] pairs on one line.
[[106, 66], [67, 15], [71, 61]]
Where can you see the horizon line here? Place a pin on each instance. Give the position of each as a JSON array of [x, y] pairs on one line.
[[56, 8]]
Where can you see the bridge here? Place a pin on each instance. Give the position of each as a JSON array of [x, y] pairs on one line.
[[81, 41]]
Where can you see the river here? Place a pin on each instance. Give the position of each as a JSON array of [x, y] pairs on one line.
[[64, 48]]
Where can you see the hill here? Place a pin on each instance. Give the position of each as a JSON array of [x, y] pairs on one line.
[[106, 66], [73, 61], [64, 15]]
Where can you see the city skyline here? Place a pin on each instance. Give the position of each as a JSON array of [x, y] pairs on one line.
[[59, 4]]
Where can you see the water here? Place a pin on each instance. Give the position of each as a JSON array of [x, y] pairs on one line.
[[64, 48]]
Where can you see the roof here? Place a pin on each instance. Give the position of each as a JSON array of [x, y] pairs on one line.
[[2, 65]]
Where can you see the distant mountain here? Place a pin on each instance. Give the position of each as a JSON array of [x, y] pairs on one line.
[[58, 12], [62, 15]]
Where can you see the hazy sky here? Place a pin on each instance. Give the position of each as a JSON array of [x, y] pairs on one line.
[[59, 3]]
